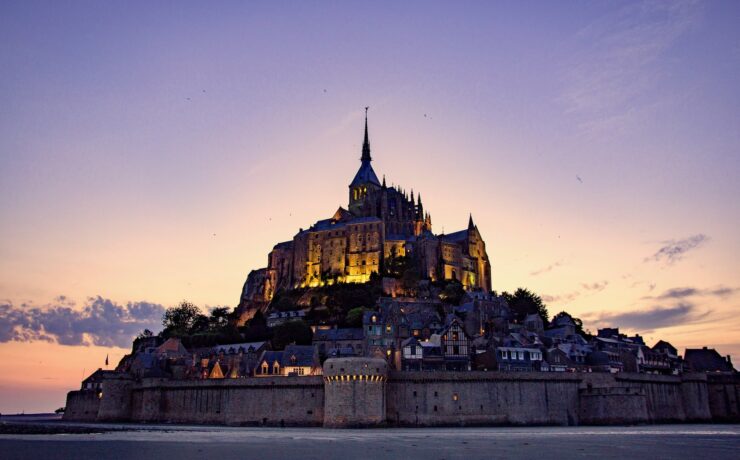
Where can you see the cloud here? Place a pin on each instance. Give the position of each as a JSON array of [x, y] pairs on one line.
[[549, 268], [99, 322], [674, 250], [684, 292], [567, 297], [596, 287], [624, 60], [652, 318]]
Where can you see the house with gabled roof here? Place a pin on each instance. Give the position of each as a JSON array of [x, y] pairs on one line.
[[707, 360]]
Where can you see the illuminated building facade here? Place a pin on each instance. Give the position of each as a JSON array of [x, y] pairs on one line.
[[379, 222]]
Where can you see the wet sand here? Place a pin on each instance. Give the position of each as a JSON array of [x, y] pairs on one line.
[[197, 442]]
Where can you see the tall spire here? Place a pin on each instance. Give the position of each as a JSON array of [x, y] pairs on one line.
[[366, 143], [471, 225]]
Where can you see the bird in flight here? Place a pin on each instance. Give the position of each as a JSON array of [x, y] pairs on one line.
[[579, 178]]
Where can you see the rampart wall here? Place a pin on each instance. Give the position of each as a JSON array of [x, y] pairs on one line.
[[361, 392], [82, 406], [724, 397], [277, 401], [482, 398]]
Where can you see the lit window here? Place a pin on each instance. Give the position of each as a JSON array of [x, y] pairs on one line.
[[455, 397]]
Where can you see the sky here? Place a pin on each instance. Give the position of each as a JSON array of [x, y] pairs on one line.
[[152, 152]]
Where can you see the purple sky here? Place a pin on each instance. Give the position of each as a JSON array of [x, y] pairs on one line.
[[155, 151]]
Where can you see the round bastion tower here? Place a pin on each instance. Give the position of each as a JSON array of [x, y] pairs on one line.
[[354, 392]]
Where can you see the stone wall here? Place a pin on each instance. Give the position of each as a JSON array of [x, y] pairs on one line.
[[82, 406], [724, 397], [276, 401], [643, 398], [482, 398], [361, 392], [355, 392], [116, 402]]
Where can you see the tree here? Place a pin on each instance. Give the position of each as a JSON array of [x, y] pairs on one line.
[[295, 331], [282, 302], [452, 293], [183, 319], [354, 317], [256, 329], [219, 318], [577, 321], [146, 333], [525, 302]]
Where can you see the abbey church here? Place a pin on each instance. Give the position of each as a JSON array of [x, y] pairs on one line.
[[380, 223]]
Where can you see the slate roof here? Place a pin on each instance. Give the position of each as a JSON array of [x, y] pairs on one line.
[[304, 355], [455, 237], [172, 347], [99, 375], [272, 356], [338, 334], [283, 245], [662, 345], [365, 175], [331, 224], [237, 346]]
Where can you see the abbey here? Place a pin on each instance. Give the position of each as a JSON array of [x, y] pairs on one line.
[[379, 224]]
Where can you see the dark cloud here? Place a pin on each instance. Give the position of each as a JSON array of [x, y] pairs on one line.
[[678, 293], [549, 268], [652, 318], [684, 292], [99, 322], [674, 250], [595, 286]]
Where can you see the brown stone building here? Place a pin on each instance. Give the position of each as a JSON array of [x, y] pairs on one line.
[[379, 222]]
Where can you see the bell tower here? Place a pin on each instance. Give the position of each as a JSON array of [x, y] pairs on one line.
[[365, 181]]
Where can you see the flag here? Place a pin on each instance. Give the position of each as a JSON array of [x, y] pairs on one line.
[[106, 360]]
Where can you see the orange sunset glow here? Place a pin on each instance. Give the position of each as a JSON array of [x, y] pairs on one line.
[[142, 165]]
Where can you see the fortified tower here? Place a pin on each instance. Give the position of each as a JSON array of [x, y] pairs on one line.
[[354, 392]]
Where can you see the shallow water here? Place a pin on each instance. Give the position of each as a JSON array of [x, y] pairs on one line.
[[184, 442]]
